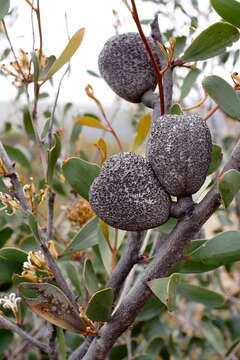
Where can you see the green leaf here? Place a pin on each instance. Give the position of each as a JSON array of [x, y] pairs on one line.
[[228, 186], [105, 252], [176, 109], [89, 277], [154, 347], [165, 289], [73, 340], [100, 305], [4, 8], [80, 174], [35, 61], [220, 250], [18, 155], [67, 53], [6, 337], [213, 336], [5, 235], [76, 130], [86, 238], [34, 227], [53, 156], [180, 44], [211, 42], [216, 158], [228, 9], [53, 305], [11, 261], [143, 128], [61, 343], [188, 82], [153, 308], [223, 94], [27, 122], [200, 295], [73, 275]]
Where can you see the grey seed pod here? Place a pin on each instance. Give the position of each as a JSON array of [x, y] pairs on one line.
[[127, 194], [179, 151], [126, 67]]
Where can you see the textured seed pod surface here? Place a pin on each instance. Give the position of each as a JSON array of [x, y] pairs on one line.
[[127, 194], [126, 67], [179, 151]]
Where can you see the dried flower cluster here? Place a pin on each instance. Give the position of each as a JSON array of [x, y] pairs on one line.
[[79, 212], [36, 268]]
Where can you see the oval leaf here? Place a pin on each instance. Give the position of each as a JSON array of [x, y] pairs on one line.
[[228, 10], [200, 295], [211, 42], [213, 336], [4, 8], [216, 158], [67, 53], [228, 186], [18, 155], [89, 277], [176, 109], [223, 94], [142, 130], [220, 250], [53, 156], [86, 238], [189, 82], [5, 234], [6, 337], [80, 174], [52, 304], [27, 122], [11, 262], [100, 305], [90, 121], [165, 289]]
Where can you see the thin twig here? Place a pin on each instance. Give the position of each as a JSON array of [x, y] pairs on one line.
[[51, 200], [38, 14], [200, 103], [152, 57], [211, 112], [12, 49], [7, 324]]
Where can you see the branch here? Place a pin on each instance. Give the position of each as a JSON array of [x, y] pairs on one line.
[[129, 258], [18, 191], [167, 256], [7, 324]]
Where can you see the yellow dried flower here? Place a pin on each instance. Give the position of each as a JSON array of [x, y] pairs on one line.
[[79, 212], [36, 268], [9, 201]]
